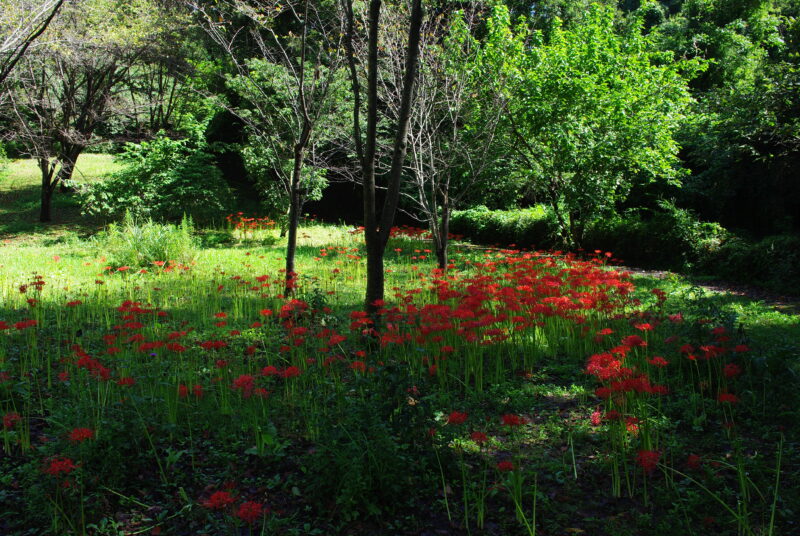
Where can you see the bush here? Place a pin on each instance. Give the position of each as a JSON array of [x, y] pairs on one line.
[[523, 227], [140, 244], [163, 179], [669, 237], [772, 262]]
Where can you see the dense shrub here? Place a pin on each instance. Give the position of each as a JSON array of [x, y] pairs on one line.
[[668, 237], [773, 262], [142, 243], [163, 179], [524, 227]]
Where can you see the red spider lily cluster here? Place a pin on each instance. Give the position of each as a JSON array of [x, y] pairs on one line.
[[239, 221], [485, 321]]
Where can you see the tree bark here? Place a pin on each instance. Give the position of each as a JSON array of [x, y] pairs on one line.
[[377, 236], [444, 241], [45, 210]]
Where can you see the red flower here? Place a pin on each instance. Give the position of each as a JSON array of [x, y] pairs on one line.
[[219, 500], [693, 461], [250, 511], [183, 391], [648, 459], [658, 361], [479, 437], [126, 381], [78, 435], [596, 418], [244, 383], [60, 465], [10, 419], [512, 420], [505, 466], [457, 417], [728, 398], [732, 370]]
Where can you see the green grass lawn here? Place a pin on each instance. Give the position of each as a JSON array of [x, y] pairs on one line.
[[20, 195], [193, 399]]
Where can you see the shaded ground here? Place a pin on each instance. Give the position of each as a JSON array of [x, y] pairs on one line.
[[780, 302], [20, 191]]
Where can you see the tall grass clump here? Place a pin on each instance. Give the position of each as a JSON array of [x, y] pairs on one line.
[[142, 243]]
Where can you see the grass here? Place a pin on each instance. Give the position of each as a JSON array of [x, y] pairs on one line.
[[190, 398], [20, 193], [367, 437]]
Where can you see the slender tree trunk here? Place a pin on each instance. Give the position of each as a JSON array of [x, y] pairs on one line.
[[294, 219], [444, 241], [377, 236], [375, 276], [45, 211]]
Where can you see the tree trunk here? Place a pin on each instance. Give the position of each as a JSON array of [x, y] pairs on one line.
[[444, 241], [68, 161], [374, 290], [294, 219], [45, 212], [378, 236]]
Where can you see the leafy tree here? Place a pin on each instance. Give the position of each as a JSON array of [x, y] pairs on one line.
[[590, 110], [454, 119], [63, 91], [289, 91]]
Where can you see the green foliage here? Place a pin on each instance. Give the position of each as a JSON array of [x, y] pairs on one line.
[[269, 171], [163, 179], [141, 243], [773, 262], [590, 109], [667, 237], [533, 226], [373, 449]]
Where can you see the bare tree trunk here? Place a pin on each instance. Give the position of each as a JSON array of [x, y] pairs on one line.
[[45, 212], [377, 236], [443, 240], [294, 210]]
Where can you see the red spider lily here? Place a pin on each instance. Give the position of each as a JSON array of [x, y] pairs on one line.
[[79, 435], [512, 420], [648, 459], [60, 465], [183, 391], [126, 381], [11, 419], [219, 500], [658, 361], [727, 398], [632, 341], [269, 370], [290, 372], [731, 370], [505, 466], [596, 418], [359, 366], [479, 437], [457, 417], [244, 383], [74, 303], [693, 461], [250, 511]]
